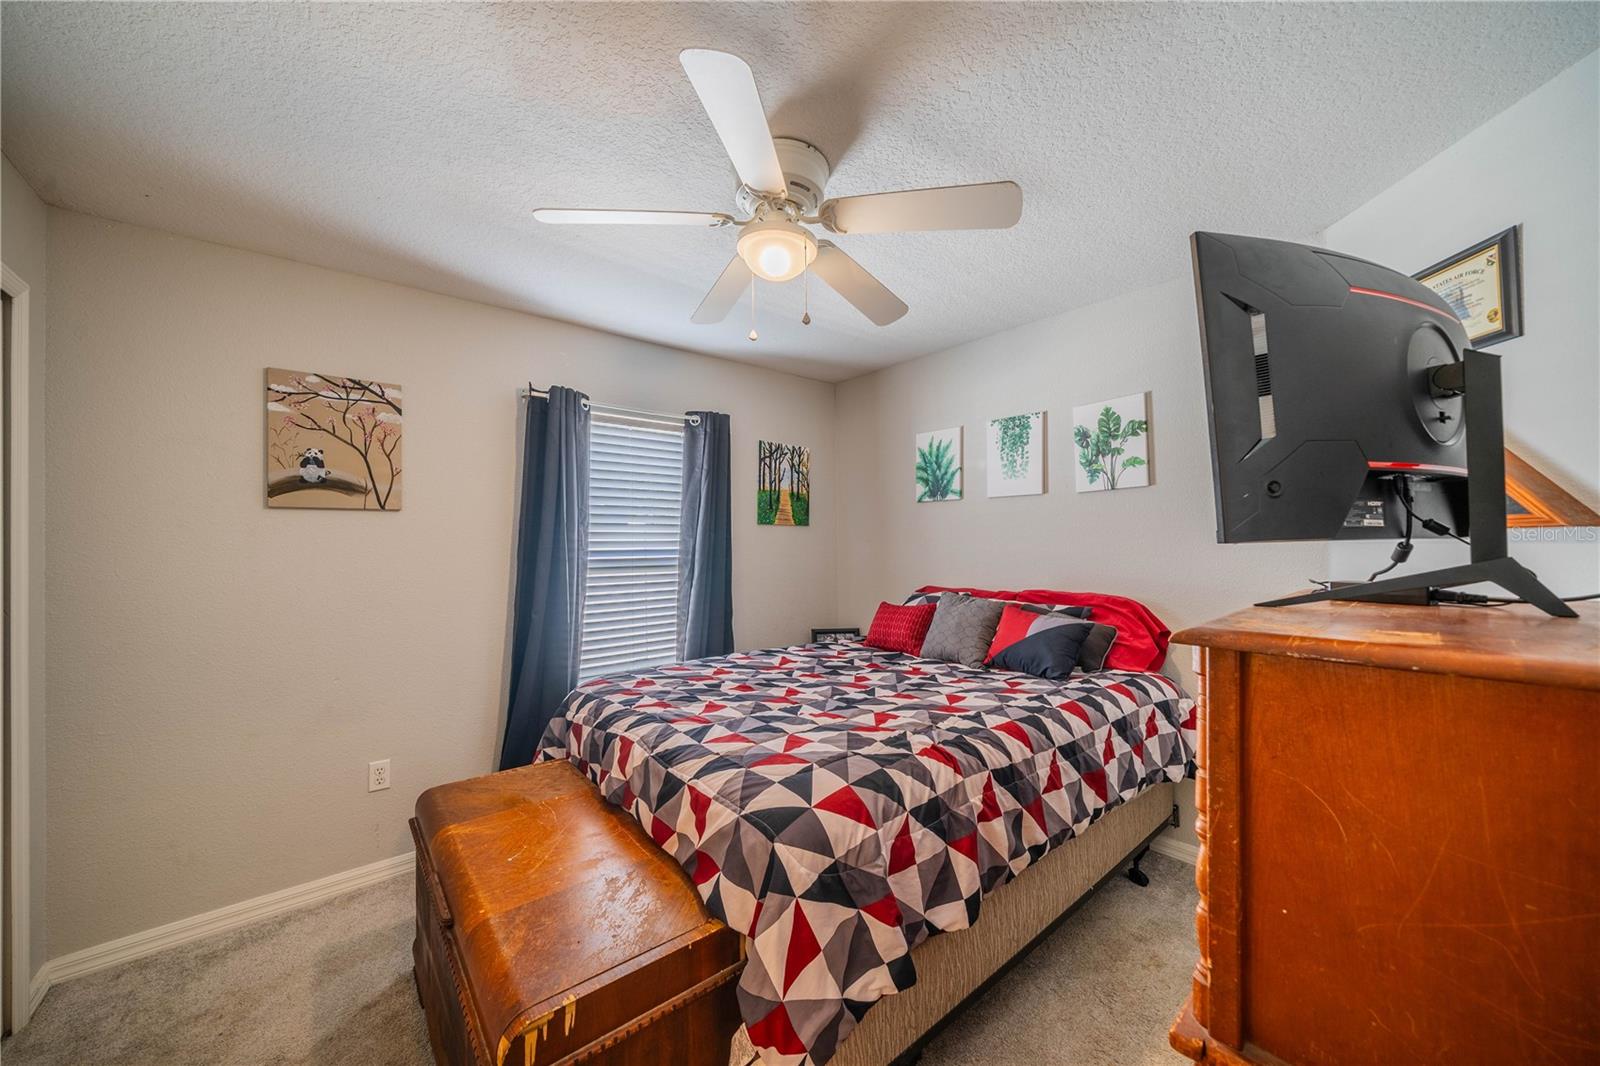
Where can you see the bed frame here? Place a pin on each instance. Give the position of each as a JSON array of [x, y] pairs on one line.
[[1128, 866], [954, 970]]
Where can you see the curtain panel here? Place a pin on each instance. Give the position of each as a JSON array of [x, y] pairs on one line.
[[705, 547], [551, 561]]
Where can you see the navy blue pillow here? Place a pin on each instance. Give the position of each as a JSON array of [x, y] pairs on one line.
[[1042, 644], [1096, 642]]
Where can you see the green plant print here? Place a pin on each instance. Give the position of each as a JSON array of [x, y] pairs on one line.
[[1101, 453], [937, 471], [1015, 432]]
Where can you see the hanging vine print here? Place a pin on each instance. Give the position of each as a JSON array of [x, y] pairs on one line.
[[1016, 455]]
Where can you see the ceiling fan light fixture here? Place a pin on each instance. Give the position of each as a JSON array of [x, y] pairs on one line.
[[777, 251], [782, 187]]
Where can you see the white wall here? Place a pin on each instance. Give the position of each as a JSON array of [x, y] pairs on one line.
[[23, 248], [225, 671], [1157, 544], [1536, 163]]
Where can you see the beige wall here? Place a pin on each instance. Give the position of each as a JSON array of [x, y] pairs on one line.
[[228, 671], [1157, 544], [23, 248]]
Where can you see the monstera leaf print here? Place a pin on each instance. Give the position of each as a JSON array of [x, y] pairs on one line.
[[1100, 452]]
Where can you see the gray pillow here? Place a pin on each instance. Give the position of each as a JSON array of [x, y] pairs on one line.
[[963, 628]]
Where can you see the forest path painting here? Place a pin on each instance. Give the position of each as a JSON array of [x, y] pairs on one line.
[[783, 484]]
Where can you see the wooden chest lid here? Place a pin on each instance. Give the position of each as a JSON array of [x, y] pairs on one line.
[[567, 918], [1511, 643]]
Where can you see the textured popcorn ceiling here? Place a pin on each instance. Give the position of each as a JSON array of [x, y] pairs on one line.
[[410, 142]]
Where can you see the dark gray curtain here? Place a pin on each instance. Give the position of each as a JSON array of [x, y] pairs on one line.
[[552, 541], [705, 547]]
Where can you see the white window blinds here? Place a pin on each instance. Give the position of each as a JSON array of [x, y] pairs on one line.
[[630, 615]]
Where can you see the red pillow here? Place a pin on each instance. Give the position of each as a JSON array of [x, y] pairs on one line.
[[1141, 642], [899, 628]]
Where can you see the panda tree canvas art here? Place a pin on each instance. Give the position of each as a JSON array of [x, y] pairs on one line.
[[333, 441]]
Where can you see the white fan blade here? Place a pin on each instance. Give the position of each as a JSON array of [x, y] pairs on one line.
[[850, 279], [735, 278], [728, 93], [995, 205], [602, 217]]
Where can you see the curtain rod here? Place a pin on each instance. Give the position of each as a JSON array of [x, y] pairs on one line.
[[632, 412]]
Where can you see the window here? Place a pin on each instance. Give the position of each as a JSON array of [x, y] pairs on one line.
[[630, 616]]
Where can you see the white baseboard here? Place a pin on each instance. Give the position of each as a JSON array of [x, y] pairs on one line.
[[38, 987], [1176, 848], [221, 920]]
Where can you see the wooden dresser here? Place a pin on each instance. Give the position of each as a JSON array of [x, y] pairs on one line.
[[1400, 837]]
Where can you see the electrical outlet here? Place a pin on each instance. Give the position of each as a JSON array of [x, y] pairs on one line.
[[378, 775]]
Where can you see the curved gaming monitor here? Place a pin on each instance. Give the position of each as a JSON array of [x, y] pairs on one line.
[[1312, 366], [1339, 395]]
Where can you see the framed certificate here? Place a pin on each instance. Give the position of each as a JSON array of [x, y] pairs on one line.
[[1483, 285]]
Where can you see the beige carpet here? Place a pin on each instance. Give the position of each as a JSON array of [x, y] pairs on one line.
[[331, 984]]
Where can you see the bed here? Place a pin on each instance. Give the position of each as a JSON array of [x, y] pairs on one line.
[[840, 805]]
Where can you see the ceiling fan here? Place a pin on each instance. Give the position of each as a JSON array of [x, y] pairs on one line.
[[781, 193]]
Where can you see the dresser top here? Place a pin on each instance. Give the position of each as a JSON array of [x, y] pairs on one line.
[[1515, 643]]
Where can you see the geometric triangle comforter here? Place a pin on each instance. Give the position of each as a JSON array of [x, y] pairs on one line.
[[839, 804]]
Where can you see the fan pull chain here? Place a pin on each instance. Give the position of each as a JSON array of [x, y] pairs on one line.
[[805, 287], [753, 334]]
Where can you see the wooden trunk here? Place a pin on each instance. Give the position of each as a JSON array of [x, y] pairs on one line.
[[550, 929], [1400, 838]]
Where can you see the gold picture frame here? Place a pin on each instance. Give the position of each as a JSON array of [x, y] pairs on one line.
[[1483, 286]]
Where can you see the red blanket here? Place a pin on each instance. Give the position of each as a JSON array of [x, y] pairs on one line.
[[1141, 642]]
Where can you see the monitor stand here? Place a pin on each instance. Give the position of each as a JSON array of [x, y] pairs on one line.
[[1477, 376]]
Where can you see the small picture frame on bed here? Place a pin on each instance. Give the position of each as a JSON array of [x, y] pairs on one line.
[[835, 633]]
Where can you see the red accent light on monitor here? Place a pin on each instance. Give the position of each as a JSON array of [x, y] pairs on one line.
[[1419, 468], [1404, 300]]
